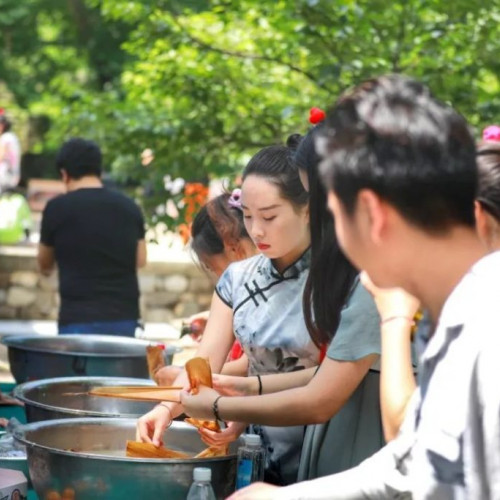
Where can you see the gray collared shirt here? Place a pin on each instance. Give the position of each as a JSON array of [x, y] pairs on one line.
[[449, 444]]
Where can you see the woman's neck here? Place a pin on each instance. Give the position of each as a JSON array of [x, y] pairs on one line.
[[287, 260]]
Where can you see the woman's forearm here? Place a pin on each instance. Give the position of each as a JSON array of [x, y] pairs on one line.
[[316, 402], [290, 407], [238, 367], [283, 381], [215, 344], [397, 381]]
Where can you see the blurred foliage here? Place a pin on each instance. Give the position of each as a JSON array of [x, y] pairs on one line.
[[207, 83]]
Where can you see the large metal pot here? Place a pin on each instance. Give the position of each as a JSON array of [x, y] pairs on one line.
[[36, 357], [67, 397], [99, 470]]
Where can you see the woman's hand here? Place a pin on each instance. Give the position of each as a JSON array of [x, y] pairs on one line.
[[199, 405], [391, 302], [229, 385], [150, 427], [220, 439], [256, 491]]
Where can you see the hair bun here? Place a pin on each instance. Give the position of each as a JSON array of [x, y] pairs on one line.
[[293, 141]]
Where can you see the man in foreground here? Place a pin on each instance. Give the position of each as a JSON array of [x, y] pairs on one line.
[[401, 173]]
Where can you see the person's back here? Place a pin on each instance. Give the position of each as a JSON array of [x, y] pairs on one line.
[[94, 232], [96, 236]]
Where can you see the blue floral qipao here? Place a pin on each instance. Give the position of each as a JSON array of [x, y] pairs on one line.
[[269, 323]]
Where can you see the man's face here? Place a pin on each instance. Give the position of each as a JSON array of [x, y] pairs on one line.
[[363, 238]]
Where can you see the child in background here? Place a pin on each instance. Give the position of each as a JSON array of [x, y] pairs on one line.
[[218, 238]]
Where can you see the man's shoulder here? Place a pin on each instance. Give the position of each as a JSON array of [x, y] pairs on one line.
[[119, 197], [56, 202], [91, 195]]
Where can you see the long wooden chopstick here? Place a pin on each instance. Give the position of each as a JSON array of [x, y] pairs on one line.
[[138, 393]]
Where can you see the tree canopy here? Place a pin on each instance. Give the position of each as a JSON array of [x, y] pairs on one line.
[[207, 83]]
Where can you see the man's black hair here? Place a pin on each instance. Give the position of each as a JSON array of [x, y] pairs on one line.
[[79, 157], [390, 135]]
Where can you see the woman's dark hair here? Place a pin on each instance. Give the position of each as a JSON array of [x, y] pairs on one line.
[[7, 124], [275, 164], [331, 275], [488, 192], [217, 225]]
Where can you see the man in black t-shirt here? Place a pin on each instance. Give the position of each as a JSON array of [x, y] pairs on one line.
[[96, 237]]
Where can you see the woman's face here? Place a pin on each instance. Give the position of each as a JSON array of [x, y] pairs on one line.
[[277, 228]]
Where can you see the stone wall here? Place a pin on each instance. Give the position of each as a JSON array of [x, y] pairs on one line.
[[173, 287]]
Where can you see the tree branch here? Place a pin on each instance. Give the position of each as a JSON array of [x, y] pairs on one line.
[[396, 55], [254, 57]]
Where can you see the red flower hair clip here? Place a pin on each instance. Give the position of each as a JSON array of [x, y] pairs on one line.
[[316, 115], [2, 111]]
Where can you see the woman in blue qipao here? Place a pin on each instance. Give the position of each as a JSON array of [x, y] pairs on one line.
[[260, 300]]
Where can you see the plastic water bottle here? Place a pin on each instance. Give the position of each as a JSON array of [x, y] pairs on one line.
[[251, 460], [201, 489]]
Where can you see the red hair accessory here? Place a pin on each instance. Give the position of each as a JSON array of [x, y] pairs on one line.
[[491, 133], [2, 111], [316, 115]]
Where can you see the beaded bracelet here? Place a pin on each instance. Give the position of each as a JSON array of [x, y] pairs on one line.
[[215, 408], [260, 384]]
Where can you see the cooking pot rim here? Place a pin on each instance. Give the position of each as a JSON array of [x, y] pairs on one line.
[[20, 436], [21, 390], [22, 343]]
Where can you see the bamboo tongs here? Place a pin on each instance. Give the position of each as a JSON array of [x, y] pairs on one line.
[[199, 373], [138, 393]]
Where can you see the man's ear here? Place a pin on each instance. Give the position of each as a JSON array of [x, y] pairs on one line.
[[375, 211]]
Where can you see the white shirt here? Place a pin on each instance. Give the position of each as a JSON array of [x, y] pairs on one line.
[[10, 164], [449, 444]]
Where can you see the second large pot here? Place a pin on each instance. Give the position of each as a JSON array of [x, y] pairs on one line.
[[67, 397]]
